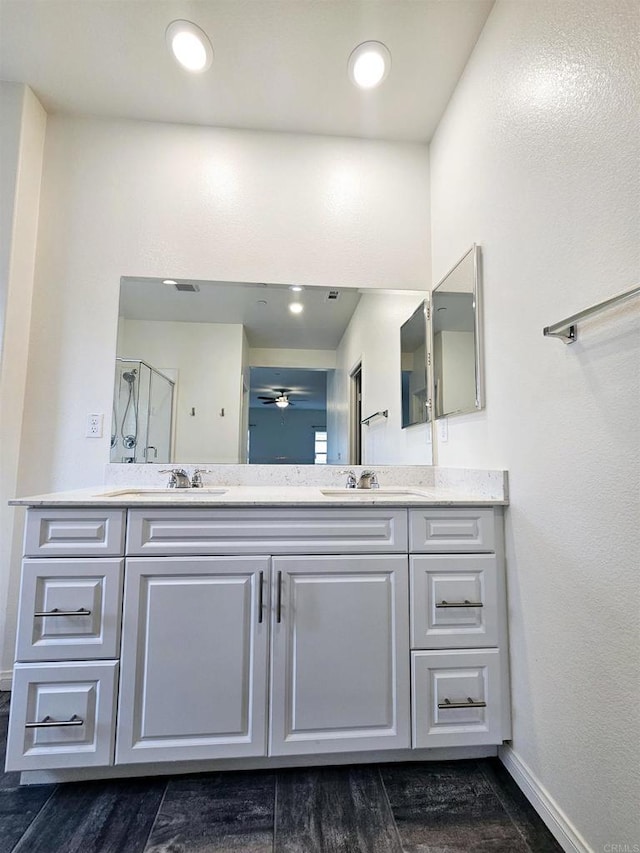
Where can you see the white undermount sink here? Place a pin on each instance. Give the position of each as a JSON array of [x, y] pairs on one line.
[[174, 493], [371, 493]]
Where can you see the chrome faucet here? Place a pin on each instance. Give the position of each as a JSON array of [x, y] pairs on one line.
[[368, 480], [351, 479], [196, 479], [179, 478]]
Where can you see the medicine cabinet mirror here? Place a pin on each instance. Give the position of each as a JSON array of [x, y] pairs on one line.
[[456, 340]]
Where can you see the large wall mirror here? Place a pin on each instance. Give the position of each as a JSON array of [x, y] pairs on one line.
[[237, 372], [456, 341]]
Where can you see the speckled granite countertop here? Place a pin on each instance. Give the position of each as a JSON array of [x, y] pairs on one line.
[[473, 493]]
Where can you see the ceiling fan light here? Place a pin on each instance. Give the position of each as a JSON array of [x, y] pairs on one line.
[[282, 402]]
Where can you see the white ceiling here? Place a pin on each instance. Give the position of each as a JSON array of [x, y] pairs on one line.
[[263, 310], [279, 65]]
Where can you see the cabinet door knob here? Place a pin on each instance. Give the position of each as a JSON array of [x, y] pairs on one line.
[[48, 723]]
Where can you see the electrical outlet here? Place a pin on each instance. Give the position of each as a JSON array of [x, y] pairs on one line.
[[443, 429], [94, 426]]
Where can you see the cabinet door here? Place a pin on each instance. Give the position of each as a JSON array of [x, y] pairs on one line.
[[194, 659], [340, 679]]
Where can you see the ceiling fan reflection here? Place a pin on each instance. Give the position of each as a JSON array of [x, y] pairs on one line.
[[281, 400]]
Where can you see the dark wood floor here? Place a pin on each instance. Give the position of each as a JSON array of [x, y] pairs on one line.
[[444, 807]]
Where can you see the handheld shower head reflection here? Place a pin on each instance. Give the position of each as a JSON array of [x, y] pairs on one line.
[[129, 376]]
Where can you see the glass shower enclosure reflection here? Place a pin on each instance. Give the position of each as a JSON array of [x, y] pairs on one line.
[[142, 418]]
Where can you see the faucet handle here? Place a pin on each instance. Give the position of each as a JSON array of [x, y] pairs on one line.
[[351, 479], [177, 478], [196, 479]]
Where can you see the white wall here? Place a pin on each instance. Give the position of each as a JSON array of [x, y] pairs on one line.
[[208, 360], [537, 160], [22, 132], [373, 338], [323, 359], [454, 357]]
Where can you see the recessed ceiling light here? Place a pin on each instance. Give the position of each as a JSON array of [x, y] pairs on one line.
[[168, 281], [189, 45], [296, 288], [296, 307], [369, 64]]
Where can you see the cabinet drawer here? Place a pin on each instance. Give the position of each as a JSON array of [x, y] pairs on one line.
[[454, 601], [266, 531], [440, 682], [83, 598], [451, 530], [62, 715], [74, 533]]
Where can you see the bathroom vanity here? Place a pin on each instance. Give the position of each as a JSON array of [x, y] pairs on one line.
[[257, 627]]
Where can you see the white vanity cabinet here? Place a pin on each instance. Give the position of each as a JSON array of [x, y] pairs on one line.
[[339, 653], [68, 643], [255, 633], [459, 666]]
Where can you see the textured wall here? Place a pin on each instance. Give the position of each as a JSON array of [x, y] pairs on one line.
[[537, 159]]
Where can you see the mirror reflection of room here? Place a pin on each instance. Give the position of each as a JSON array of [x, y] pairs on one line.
[[456, 356], [413, 346], [228, 372]]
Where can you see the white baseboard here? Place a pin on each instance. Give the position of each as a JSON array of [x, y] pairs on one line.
[[550, 812], [6, 679]]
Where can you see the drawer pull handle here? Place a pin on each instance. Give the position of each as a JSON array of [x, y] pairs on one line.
[[260, 596], [81, 611], [470, 703], [48, 723], [465, 603], [279, 598]]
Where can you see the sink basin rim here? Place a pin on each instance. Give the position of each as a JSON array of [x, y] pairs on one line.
[[134, 492], [372, 493]]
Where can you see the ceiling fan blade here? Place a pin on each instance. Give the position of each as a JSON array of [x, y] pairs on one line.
[[267, 398], [268, 402]]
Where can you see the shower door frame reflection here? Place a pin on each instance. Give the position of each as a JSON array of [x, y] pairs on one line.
[[140, 452]]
